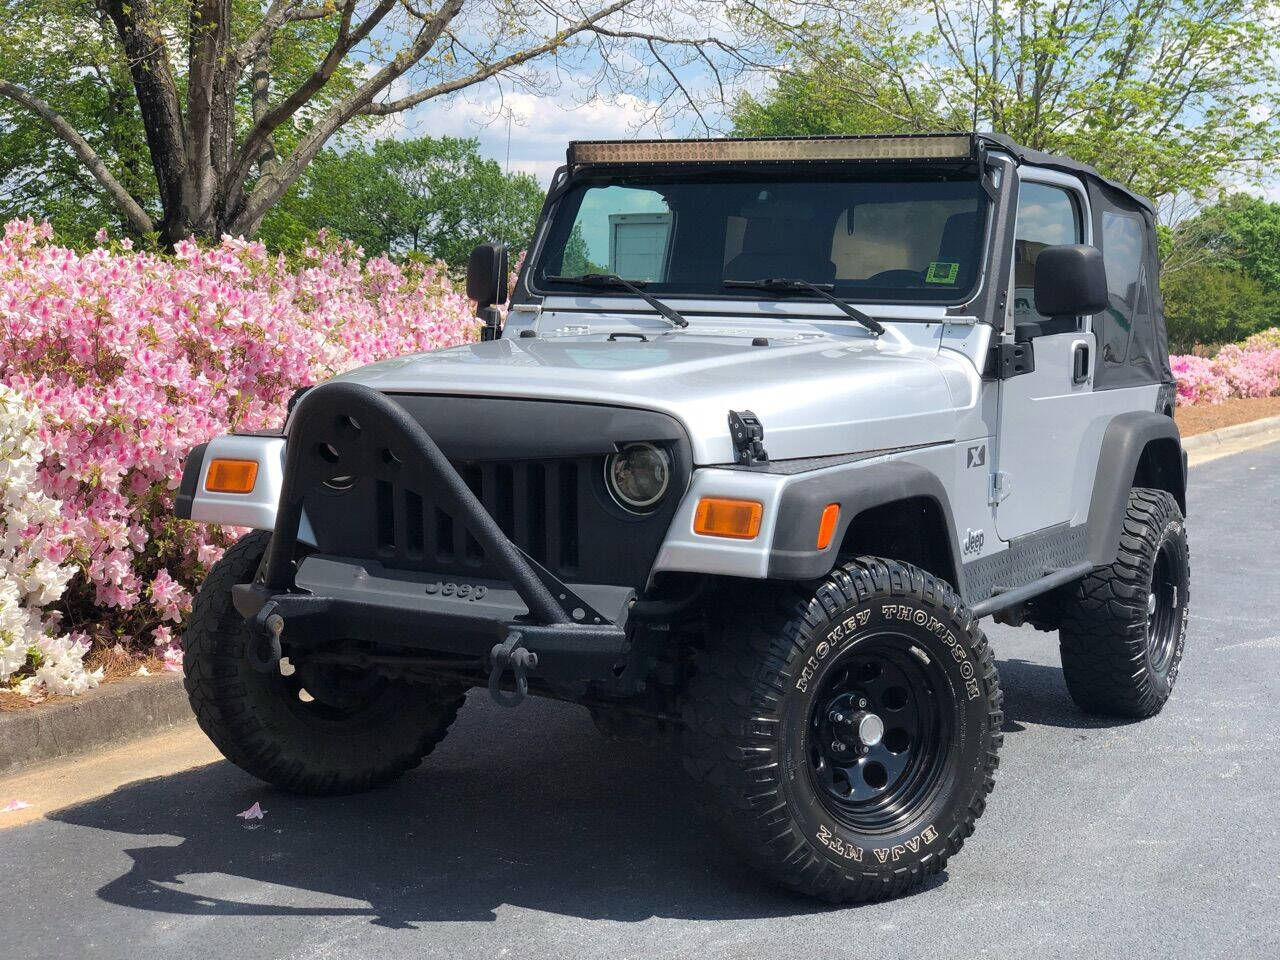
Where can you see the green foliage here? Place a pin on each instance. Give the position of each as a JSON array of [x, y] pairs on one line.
[[1221, 279], [83, 72], [1209, 305], [1240, 233], [67, 53], [807, 104], [432, 196], [1165, 96]]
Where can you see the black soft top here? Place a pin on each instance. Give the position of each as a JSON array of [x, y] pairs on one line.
[[1054, 161]]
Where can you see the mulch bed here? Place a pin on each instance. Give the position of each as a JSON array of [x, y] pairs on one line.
[[1204, 417]]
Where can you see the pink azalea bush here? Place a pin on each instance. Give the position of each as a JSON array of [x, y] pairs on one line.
[[132, 358], [1198, 381], [1247, 369]]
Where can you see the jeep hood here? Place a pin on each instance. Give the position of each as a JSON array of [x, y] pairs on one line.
[[816, 395]]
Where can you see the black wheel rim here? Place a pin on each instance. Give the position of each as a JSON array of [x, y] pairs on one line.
[[878, 785], [1162, 609]]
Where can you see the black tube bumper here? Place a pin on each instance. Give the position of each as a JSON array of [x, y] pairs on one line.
[[344, 599], [343, 430]]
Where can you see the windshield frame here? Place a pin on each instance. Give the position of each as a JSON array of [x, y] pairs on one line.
[[566, 183]]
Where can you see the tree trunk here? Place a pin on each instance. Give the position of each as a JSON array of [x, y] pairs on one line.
[[157, 94]]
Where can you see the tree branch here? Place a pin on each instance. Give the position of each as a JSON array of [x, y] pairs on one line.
[[270, 186], [280, 13], [488, 70], [266, 125], [132, 210]]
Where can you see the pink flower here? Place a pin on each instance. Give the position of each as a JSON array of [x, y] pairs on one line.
[[132, 358]]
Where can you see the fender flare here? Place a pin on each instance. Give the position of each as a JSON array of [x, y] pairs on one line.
[[856, 487], [1126, 439]]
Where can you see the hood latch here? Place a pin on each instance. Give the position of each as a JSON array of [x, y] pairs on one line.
[[748, 437]]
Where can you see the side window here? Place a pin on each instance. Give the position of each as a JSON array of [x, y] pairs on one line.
[[1046, 216], [1122, 236]]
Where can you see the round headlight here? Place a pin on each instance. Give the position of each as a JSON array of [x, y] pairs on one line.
[[638, 475]]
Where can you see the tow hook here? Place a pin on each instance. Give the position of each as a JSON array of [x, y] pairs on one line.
[[263, 650], [511, 654]]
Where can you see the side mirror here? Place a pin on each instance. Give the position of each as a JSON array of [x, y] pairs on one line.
[[487, 275], [1070, 280]]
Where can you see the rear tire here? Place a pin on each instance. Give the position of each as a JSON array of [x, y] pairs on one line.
[[261, 723], [1122, 629], [775, 733]]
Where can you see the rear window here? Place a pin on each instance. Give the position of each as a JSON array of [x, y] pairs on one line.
[[874, 239], [1122, 242]]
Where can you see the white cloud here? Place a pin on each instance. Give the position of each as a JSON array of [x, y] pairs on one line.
[[540, 126]]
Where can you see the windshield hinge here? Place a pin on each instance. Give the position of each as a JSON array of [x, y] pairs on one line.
[[748, 437]]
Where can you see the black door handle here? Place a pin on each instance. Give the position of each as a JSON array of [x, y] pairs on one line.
[[1080, 363]]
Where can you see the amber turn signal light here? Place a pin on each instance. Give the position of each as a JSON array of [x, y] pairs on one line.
[[231, 476], [827, 525], [717, 517]]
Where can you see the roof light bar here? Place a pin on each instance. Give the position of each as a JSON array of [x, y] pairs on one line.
[[924, 147]]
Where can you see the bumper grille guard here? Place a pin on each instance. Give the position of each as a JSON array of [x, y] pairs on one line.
[[342, 430]]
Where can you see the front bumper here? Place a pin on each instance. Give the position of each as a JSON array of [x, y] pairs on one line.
[[336, 600], [316, 603]]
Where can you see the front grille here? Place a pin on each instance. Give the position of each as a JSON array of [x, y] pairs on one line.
[[535, 503], [536, 466], [556, 510]]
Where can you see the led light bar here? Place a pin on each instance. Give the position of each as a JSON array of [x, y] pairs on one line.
[[910, 147]]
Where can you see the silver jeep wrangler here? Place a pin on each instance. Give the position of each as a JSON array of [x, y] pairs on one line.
[[769, 427]]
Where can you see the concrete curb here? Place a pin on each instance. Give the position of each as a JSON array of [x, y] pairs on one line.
[[1241, 431], [111, 714]]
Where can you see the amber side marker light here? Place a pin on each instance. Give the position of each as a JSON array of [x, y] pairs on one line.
[[231, 476], [717, 517], [827, 525]]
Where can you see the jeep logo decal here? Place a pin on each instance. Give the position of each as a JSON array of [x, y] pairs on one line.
[[459, 591], [977, 456]]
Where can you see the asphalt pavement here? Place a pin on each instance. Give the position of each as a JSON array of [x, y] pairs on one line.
[[527, 835]]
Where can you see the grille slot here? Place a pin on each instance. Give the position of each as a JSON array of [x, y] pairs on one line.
[[537, 505], [386, 518], [568, 505]]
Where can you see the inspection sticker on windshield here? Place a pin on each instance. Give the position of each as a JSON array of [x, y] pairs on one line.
[[942, 271]]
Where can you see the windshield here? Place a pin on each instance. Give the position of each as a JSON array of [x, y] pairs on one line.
[[879, 239]]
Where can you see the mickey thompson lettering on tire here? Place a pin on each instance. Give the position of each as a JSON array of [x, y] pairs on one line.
[[843, 633]]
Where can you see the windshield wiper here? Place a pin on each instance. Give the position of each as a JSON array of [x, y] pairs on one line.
[[613, 280], [821, 289]]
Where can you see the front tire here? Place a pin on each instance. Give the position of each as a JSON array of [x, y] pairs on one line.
[[846, 738], [355, 732], [1122, 629]]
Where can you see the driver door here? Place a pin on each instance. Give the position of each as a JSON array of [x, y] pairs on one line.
[[1044, 413]]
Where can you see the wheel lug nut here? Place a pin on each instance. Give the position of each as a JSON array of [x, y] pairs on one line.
[[837, 746], [862, 704], [837, 717]]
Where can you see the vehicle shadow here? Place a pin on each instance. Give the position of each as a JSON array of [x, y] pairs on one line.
[[1036, 693], [528, 808]]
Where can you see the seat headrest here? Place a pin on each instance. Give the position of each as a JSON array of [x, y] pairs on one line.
[[958, 236]]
